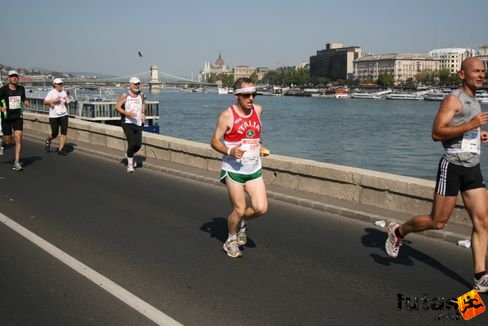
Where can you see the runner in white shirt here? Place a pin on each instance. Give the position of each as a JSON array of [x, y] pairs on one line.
[[57, 99]]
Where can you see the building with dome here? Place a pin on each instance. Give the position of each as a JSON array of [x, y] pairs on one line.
[[219, 67]]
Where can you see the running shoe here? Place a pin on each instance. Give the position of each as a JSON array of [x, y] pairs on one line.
[[232, 249], [134, 163], [481, 284], [62, 152], [241, 237], [48, 145], [1, 150], [130, 168], [17, 166], [393, 243]]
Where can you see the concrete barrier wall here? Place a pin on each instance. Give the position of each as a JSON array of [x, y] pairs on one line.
[[401, 194]]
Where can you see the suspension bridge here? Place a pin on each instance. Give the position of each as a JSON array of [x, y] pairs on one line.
[[151, 77]]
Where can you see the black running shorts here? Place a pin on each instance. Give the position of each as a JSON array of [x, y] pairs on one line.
[[452, 178]]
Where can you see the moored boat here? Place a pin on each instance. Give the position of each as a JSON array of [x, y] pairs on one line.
[[374, 96], [404, 96], [223, 90], [482, 97]]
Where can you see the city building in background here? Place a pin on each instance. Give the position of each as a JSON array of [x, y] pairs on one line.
[[483, 54], [243, 71], [219, 67], [451, 58], [403, 66], [335, 61]]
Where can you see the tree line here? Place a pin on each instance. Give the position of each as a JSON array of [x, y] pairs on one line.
[[300, 77]]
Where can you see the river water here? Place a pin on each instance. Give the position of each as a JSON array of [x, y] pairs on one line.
[[382, 135]]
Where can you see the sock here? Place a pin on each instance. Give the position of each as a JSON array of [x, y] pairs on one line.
[[479, 275], [130, 160], [232, 237], [397, 233]]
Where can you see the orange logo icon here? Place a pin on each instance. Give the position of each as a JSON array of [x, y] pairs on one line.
[[470, 305]]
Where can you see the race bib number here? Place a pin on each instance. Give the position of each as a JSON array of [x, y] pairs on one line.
[[251, 148], [471, 141], [14, 102]]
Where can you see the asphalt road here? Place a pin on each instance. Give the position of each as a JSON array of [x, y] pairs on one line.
[[160, 237]]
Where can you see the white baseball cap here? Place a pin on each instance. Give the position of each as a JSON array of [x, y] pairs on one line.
[[134, 80], [12, 72], [57, 81]]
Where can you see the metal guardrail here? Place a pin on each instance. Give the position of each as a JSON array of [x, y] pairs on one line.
[[92, 110]]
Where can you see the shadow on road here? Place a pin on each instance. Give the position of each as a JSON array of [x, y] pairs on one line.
[[218, 229], [25, 161], [376, 239]]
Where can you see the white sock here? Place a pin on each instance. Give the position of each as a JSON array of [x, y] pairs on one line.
[[130, 160], [232, 237]]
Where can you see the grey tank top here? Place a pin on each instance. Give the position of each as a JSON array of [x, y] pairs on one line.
[[452, 147]]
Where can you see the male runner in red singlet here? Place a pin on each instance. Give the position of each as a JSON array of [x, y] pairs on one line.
[[238, 136]]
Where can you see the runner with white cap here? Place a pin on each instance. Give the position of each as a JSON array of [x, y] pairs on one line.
[[57, 99], [132, 107]]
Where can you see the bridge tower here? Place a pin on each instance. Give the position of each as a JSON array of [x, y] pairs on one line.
[[155, 84]]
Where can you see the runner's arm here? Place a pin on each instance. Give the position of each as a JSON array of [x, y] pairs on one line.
[[450, 106], [220, 130]]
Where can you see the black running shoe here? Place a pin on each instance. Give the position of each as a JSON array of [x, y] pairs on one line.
[[62, 152]]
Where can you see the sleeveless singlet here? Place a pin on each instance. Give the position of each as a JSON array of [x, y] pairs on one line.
[[245, 133], [464, 150], [133, 104]]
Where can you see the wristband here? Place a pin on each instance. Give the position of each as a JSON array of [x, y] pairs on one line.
[[228, 151]]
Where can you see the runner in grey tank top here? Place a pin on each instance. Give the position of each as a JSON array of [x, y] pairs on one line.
[[465, 149], [458, 125]]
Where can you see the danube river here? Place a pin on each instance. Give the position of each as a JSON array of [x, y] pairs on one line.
[[383, 135]]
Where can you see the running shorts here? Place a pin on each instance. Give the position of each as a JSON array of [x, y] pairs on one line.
[[452, 178], [240, 178]]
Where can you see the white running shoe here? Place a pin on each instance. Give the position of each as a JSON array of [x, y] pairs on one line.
[[232, 249], [481, 285], [242, 237], [393, 243], [130, 168], [17, 166]]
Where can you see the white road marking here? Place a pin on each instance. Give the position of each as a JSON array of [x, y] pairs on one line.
[[116, 290]]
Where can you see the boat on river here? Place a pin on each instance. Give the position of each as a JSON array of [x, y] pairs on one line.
[[374, 96], [404, 96], [409, 96], [338, 93], [482, 97], [437, 95]]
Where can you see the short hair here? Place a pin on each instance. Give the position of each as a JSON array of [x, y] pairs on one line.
[[242, 80]]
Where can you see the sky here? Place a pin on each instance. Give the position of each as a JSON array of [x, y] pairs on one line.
[[180, 36]]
